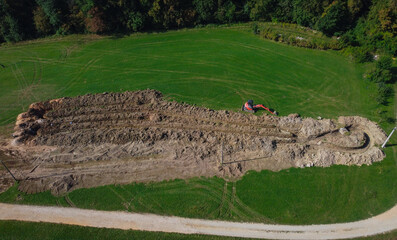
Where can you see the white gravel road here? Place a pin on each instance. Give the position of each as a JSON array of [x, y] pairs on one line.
[[148, 222]]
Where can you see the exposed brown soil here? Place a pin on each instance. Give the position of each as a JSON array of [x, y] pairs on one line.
[[109, 138]]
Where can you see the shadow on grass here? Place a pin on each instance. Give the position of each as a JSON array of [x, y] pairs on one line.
[[391, 145], [118, 36], [394, 75]]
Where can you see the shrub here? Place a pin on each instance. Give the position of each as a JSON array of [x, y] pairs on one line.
[[292, 39], [382, 72], [41, 21], [255, 28], [205, 10], [384, 63], [361, 54], [334, 19], [336, 45], [135, 21], [10, 29], [383, 93], [95, 23], [379, 76]]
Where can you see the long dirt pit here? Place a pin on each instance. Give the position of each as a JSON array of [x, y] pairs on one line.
[[119, 138]]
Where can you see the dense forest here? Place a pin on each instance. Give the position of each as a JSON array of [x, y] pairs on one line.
[[370, 25]]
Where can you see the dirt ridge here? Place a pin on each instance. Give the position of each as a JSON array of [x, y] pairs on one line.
[[100, 139]]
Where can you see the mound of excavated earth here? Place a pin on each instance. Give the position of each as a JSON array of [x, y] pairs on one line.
[[110, 138]]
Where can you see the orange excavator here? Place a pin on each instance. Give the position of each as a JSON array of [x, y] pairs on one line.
[[250, 107]]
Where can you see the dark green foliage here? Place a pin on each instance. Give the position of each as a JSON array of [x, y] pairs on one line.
[[57, 12], [284, 11], [378, 28], [76, 23], [262, 9], [307, 12], [205, 10], [10, 29], [295, 35], [255, 28], [383, 93], [50, 9], [379, 76], [382, 73], [112, 16], [360, 54], [136, 21], [16, 20], [167, 14], [85, 5], [334, 19], [384, 63], [226, 13], [41, 21], [357, 7], [370, 24]]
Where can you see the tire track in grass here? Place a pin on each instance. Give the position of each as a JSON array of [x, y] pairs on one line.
[[78, 76], [20, 94], [149, 202], [224, 198], [156, 190], [246, 213], [222, 201], [26, 86], [12, 66], [120, 69], [229, 202], [69, 201], [292, 60], [124, 201]]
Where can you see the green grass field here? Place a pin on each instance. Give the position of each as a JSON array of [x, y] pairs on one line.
[[216, 68], [295, 196], [41, 231]]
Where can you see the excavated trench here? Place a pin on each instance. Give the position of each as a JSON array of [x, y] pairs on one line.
[[109, 138]]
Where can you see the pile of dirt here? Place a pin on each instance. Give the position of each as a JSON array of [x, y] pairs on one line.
[[110, 138]]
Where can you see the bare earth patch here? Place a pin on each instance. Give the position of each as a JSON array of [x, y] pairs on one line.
[[109, 138]]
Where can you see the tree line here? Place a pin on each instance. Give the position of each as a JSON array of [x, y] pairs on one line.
[[367, 23]]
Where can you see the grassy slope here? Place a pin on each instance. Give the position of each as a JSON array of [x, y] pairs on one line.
[[216, 68], [212, 198], [219, 69], [322, 195]]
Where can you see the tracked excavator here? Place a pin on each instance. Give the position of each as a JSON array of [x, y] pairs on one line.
[[251, 108]]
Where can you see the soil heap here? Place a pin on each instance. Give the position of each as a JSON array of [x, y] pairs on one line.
[[110, 138]]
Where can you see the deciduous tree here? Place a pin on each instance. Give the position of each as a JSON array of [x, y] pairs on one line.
[[334, 19], [41, 21]]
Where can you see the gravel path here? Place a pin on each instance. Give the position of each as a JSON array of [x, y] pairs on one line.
[[384, 222]]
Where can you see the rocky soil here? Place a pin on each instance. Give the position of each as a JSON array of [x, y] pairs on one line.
[[109, 138]]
